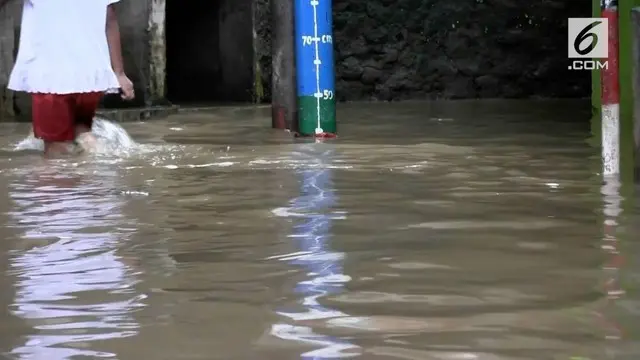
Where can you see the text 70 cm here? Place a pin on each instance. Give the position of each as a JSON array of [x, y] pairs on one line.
[[308, 40]]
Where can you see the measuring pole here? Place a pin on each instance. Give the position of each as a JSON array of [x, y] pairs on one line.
[[610, 117], [611, 94], [283, 84], [315, 69]]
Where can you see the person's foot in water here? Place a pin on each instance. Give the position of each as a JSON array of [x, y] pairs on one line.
[[85, 139], [87, 142]]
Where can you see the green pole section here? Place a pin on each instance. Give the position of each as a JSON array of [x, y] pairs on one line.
[[595, 86], [635, 70], [627, 148], [310, 116], [315, 68]]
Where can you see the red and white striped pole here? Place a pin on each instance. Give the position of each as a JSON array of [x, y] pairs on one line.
[[611, 94], [611, 160]]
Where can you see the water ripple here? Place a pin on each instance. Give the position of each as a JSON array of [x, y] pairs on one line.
[[483, 237]]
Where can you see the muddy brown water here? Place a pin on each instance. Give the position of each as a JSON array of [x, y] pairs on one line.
[[448, 231]]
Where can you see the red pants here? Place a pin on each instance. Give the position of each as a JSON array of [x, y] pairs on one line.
[[56, 116]]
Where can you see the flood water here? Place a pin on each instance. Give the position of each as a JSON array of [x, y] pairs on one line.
[[445, 231]]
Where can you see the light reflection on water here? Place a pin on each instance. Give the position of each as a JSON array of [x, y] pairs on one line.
[[313, 215], [72, 287], [612, 211]]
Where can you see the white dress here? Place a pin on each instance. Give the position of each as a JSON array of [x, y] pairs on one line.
[[63, 48]]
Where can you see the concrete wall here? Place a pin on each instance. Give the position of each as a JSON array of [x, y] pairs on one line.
[[9, 24]]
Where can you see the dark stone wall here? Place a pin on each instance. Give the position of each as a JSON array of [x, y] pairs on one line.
[[417, 49], [262, 49]]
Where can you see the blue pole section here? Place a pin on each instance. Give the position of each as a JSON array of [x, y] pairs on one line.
[[315, 71]]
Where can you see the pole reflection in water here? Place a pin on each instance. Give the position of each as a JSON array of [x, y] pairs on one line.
[[612, 211], [71, 286], [313, 214]]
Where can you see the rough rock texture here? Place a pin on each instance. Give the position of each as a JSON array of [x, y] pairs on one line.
[[401, 49], [262, 49]]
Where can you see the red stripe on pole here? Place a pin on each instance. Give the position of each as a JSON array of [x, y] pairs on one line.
[[610, 75]]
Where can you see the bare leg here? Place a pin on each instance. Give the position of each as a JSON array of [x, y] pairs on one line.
[[86, 105]]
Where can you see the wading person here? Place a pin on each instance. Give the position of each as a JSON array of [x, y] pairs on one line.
[[69, 57]]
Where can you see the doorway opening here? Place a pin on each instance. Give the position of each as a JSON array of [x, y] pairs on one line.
[[209, 54]]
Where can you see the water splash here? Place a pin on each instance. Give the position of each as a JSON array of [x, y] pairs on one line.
[[113, 134], [112, 138]]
